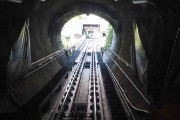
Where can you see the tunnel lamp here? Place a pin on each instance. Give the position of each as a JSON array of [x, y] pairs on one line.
[[141, 1], [16, 1]]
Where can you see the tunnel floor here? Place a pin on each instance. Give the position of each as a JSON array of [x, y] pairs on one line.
[[87, 91]]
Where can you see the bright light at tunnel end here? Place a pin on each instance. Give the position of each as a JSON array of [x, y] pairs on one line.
[[85, 26]]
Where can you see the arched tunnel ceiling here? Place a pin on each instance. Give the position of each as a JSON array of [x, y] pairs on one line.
[[62, 16], [52, 15], [120, 13], [158, 28]]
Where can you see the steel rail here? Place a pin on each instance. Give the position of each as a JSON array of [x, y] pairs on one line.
[[94, 90], [106, 108], [82, 60], [99, 85]]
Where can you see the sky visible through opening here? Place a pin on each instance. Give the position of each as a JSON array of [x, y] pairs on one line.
[[86, 27]]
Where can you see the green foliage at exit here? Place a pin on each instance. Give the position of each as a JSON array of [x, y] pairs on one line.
[[109, 37], [66, 41]]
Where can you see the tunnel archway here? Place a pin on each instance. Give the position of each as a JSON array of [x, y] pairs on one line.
[[50, 22], [87, 26], [44, 26], [157, 22], [62, 17]]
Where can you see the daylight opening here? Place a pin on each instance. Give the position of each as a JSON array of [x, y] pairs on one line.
[[87, 26]]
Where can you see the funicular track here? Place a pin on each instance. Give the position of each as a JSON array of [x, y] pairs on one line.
[[81, 98], [89, 93], [116, 107], [66, 103]]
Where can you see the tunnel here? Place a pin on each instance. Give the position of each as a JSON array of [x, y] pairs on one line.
[[143, 58]]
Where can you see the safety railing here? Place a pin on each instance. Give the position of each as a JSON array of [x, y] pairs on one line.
[[121, 59], [48, 59], [119, 87]]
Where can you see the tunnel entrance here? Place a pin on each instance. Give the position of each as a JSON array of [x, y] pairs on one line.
[[84, 27], [49, 62], [29, 70], [88, 9]]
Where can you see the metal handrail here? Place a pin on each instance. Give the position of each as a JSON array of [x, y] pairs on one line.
[[130, 80], [115, 81], [54, 54], [57, 52], [122, 93], [46, 60], [34, 69], [121, 59], [47, 57]]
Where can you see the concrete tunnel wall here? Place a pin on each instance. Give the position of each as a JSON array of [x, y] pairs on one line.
[[45, 21], [44, 25], [40, 20]]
